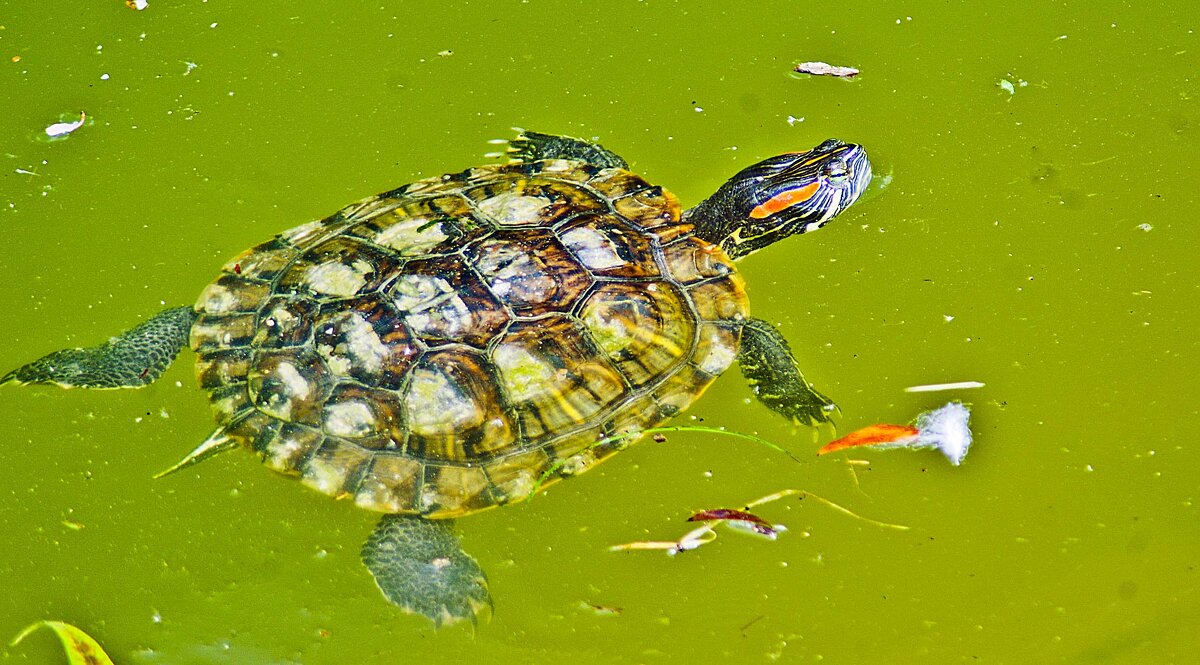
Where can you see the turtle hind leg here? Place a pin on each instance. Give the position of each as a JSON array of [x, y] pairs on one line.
[[774, 376], [533, 146], [133, 359], [420, 567]]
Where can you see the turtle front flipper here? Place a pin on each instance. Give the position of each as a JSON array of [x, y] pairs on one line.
[[533, 146], [774, 376], [420, 566], [133, 359]]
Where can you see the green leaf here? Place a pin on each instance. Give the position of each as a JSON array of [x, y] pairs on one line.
[[81, 648]]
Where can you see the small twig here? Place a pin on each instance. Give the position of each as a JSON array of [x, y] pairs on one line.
[[805, 494]]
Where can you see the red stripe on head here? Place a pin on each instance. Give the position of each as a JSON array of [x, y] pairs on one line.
[[784, 200]]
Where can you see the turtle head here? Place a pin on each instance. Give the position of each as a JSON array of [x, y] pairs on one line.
[[785, 195]]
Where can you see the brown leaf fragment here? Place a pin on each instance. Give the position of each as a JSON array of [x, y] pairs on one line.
[[738, 519], [727, 514], [601, 610], [825, 69]]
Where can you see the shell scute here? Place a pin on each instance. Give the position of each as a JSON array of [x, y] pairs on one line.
[[217, 369], [285, 321], [290, 384], [366, 342], [690, 260], [529, 271], [651, 208], [514, 477], [720, 299], [231, 331], [390, 485], [369, 417], [291, 446], [335, 468], [525, 202], [442, 300], [421, 227], [644, 329], [233, 294], [453, 408], [553, 376], [453, 490], [340, 267], [608, 245], [263, 262]]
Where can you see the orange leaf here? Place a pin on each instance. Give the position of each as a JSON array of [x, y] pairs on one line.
[[872, 435]]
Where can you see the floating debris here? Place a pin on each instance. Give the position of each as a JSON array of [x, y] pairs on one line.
[[1011, 83], [825, 69], [81, 648], [137, 5], [935, 387], [601, 610], [947, 429], [875, 436], [738, 519], [690, 541], [60, 129]]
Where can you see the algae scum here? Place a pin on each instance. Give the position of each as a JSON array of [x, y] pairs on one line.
[[1034, 235]]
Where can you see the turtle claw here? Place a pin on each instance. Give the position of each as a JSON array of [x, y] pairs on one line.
[[810, 408], [420, 567], [530, 147]]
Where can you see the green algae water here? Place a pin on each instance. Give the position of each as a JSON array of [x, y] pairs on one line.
[[1032, 227]]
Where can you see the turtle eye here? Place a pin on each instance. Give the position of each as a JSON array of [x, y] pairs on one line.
[[835, 171]]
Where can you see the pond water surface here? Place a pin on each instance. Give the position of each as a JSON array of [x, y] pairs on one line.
[[1037, 232]]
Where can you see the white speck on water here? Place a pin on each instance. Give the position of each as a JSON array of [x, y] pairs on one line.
[[60, 129], [792, 120], [104, 77], [1144, 226], [947, 317]]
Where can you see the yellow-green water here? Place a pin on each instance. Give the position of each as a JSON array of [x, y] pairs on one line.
[[1041, 241]]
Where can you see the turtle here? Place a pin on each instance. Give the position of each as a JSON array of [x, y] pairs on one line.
[[456, 343]]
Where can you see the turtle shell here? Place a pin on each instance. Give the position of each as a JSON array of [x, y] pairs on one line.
[[450, 345]]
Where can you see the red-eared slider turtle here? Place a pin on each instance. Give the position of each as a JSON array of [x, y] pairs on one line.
[[449, 345]]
